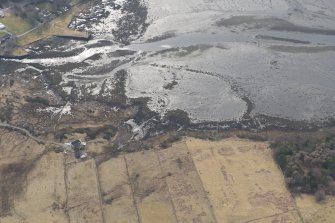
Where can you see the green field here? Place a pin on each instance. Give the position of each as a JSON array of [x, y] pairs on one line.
[[57, 26], [2, 33], [45, 5], [14, 24]]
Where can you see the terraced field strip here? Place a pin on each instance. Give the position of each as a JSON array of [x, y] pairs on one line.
[[83, 202], [16, 147], [242, 181], [27, 133], [149, 188], [187, 193], [43, 192], [118, 203]]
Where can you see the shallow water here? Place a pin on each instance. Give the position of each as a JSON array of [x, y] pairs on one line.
[[259, 62], [211, 39]]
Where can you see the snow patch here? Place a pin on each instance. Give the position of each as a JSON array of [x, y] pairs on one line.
[[65, 110]]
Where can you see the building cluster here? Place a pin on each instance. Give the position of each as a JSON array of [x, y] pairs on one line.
[[76, 146]]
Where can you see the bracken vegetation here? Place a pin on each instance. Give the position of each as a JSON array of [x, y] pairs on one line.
[[308, 164], [38, 100], [178, 117], [106, 132]]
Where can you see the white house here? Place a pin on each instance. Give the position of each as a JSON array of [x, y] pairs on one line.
[[2, 26]]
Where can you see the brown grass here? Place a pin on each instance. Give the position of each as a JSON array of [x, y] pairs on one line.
[[83, 201], [118, 205], [242, 180], [150, 191], [314, 212], [194, 180]]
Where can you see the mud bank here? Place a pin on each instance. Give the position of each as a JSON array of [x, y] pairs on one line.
[[237, 71]]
